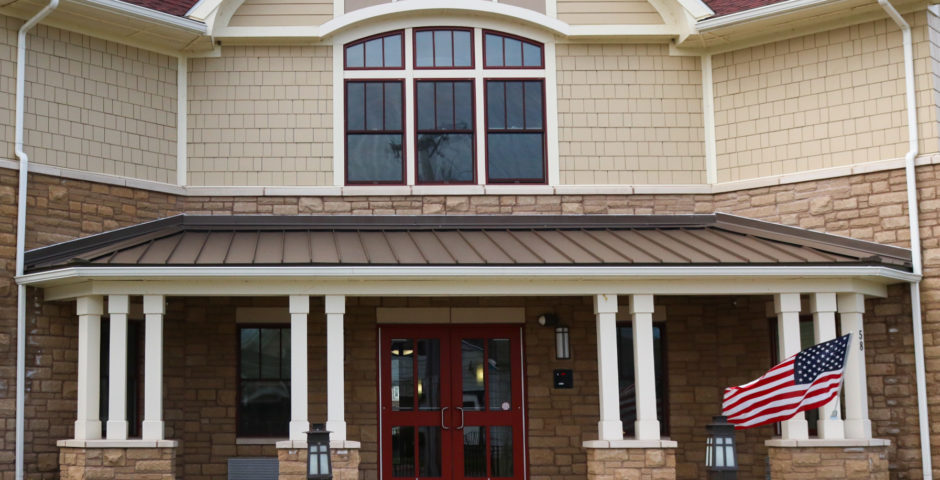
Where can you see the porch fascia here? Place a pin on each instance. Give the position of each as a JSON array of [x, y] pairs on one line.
[[73, 282]]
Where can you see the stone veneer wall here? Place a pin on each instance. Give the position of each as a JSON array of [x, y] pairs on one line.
[[867, 206], [292, 464], [117, 463], [632, 463], [868, 463]]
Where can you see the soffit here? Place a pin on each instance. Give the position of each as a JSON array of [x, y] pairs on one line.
[[481, 241]]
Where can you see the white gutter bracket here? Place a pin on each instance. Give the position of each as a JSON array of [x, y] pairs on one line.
[[21, 233], [914, 222]]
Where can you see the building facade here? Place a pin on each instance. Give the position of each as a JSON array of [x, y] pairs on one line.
[[476, 239]]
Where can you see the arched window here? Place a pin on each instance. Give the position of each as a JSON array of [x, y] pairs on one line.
[[459, 105]]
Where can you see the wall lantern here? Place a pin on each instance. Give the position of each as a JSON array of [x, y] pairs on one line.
[[562, 343], [318, 453], [721, 460]]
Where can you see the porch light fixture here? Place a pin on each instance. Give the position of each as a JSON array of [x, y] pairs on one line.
[[318, 453], [721, 461], [562, 343]]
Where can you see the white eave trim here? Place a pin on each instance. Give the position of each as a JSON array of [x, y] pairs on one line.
[[759, 13], [203, 8], [458, 272], [146, 14], [696, 8]]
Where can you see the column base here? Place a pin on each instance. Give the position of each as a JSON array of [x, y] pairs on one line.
[[298, 430], [847, 459], [132, 463], [117, 429], [608, 463], [610, 430], [292, 462], [152, 430]]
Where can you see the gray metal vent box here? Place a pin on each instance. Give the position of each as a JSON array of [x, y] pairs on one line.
[[252, 468]]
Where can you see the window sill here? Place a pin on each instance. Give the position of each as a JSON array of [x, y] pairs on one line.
[[258, 440], [823, 443], [630, 443], [341, 444], [103, 443]]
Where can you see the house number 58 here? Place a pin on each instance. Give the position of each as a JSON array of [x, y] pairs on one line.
[[861, 341]]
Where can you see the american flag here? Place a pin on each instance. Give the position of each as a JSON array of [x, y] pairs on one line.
[[804, 381]]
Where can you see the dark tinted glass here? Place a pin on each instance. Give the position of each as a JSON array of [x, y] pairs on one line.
[[375, 106], [443, 49], [627, 378], [425, 103], [355, 106], [512, 48], [533, 105], [393, 57], [374, 158], [374, 53], [444, 104], [380, 52], [504, 51], [531, 55], [264, 389], [355, 56], [424, 49], [445, 157], [463, 105], [494, 50], [403, 451], [496, 105], [393, 105], [515, 156], [463, 52], [515, 113]]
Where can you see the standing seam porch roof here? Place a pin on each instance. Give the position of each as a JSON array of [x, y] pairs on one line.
[[483, 240]]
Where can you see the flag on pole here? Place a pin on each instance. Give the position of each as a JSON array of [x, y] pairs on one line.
[[804, 381]]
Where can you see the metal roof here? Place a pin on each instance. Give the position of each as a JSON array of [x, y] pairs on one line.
[[584, 240]]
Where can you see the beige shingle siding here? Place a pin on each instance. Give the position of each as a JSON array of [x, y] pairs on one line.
[[608, 12], [8, 28], [824, 100], [264, 13], [629, 114], [98, 106], [261, 116]]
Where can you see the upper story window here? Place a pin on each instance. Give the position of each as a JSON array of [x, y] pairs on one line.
[[444, 106]]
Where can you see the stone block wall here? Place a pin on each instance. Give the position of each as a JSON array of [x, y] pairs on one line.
[[632, 463], [292, 464], [868, 463], [117, 463]]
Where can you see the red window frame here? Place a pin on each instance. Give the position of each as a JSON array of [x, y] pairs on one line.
[[347, 131], [471, 131], [362, 41], [514, 37], [488, 130], [434, 30]]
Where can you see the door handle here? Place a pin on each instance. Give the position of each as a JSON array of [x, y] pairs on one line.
[[461, 418], [444, 427]]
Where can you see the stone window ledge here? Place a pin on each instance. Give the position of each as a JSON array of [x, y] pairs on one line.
[[71, 443], [258, 441], [822, 443], [630, 443], [342, 444]]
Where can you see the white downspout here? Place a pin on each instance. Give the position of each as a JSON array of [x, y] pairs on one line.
[[914, 222], [21, 233]]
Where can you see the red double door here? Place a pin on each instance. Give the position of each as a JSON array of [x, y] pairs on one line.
[[451, 402]]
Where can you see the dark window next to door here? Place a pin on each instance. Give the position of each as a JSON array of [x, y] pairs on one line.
[[627, 380], [264, 381]]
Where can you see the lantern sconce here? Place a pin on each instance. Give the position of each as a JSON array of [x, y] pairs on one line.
[[318, 453], [721, 461], [562, 337]]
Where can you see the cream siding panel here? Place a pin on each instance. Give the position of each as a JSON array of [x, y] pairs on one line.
[[351, 5], [629, 114], [261, 116], [100, 106], [8, 29], [830, 99], [263, 13], [615, 12], [535, 5]]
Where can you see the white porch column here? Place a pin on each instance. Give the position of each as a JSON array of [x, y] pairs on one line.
[[154, 309], [605, 309], [88, 422], [299, 423], [787, 308], [335, 306], [118, 306], [823, 306], [857, 425], [641, 311]]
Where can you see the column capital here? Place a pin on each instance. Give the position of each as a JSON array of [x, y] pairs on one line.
[[119, 304], [605, 303], [300, 304], [154, 305], [334, 304], [851, 303], [89, 305], [786, 302], [822, 302], [641, 304]]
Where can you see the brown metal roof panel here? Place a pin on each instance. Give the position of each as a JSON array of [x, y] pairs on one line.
[[678, 242], [270, 248], [431, 248], [715, 245], [767, 251], [658, 253], [458, 247], [517, 252], [586, 240], [621, 247], [751, 248], [323, 248], [543, 249], [160, 250], [377, 248], [188, 249], [297, 248], [484, 246], [128, 256], [215, 249], [350, 249], [404, 248], [243, 248], [571, 249]]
